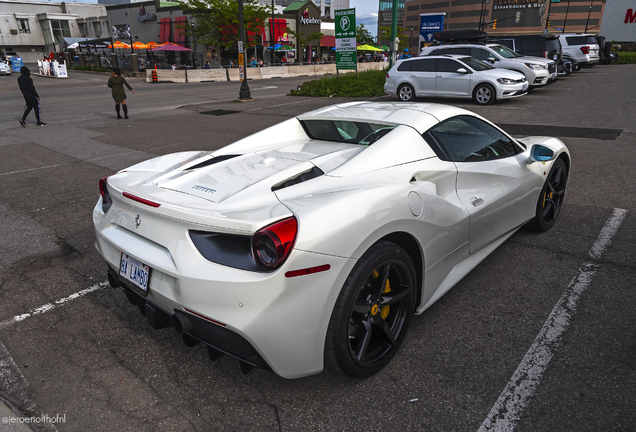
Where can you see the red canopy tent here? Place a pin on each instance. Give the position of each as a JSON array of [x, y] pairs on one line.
[[169, 46]]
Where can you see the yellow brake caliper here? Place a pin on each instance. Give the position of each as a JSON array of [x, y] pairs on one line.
[[385, 309]]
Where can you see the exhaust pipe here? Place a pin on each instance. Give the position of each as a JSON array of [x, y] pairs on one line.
[[113, 278], [181, 323]]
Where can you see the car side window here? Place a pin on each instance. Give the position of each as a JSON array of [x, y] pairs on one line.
[[507, 42], [461, 51], [439, 51], [448, 65], [480, 54], [405, 66], [423, 65], [469, 139]]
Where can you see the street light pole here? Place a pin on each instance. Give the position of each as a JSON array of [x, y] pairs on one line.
[[393, 45], [194, 39], [271, 41], [588, 16], [244, 92]]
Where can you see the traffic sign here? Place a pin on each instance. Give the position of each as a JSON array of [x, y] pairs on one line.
[[346, 47]]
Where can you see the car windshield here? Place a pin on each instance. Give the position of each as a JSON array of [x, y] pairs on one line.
[[475, 64], [504, 51], [352, 132]]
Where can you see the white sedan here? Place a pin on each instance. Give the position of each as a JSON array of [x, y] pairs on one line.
[[315, 241], [5, 68], [453, 75]]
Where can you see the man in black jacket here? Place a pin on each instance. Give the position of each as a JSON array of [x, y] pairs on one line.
[[30, 96]]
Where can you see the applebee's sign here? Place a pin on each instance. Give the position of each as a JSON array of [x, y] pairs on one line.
[[306, 19], [143, 16]]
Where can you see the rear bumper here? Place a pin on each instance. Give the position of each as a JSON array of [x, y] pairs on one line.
[[283, 319], [211, 334]]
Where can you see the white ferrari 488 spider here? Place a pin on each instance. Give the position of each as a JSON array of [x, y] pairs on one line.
[[316, 240]]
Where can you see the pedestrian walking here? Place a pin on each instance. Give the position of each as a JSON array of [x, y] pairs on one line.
[[117, 82], [31, 96], [207, 65]]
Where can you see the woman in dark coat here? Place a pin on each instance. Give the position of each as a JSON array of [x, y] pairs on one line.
[[117, 82]]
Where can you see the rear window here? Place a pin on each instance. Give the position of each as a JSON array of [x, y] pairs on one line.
[[552, 44], [352, 132], [578, 40], [591, 40]]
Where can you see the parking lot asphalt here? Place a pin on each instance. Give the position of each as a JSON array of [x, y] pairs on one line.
[[72, 346]]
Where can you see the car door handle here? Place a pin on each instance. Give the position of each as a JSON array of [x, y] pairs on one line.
[[476, 201]]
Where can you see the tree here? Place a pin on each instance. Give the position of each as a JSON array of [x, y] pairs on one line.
[[385, 35], [217, 21], [363, 36], [302, 41]]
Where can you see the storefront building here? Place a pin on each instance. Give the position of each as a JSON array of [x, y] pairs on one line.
[[512, 16], [35, 29]]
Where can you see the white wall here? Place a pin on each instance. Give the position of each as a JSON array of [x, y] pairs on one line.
[[613, 26]]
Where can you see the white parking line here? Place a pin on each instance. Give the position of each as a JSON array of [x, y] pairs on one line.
[[50, 306], [508, 409]]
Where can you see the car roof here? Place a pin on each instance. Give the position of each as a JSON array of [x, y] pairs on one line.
[[436, 56], [421, 116]]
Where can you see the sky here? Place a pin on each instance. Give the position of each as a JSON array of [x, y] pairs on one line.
[[367, 14]]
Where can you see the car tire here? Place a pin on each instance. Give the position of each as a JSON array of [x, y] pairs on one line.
[[368, 323], [551, 198], [484, 94], [406, 93]]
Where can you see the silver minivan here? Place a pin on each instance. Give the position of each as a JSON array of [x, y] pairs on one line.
[[583, 47]]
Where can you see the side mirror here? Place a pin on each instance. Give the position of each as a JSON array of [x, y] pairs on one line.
[[491, 59], [540, 153], [462, 71]]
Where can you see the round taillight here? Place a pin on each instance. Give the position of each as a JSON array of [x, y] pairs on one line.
[[273, 244]]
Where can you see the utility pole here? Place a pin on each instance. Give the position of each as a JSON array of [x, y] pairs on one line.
[[244, 92]]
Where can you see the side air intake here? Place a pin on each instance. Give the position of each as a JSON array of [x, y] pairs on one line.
[[307, 175]]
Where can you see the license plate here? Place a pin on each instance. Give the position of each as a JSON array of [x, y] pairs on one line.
[[135, 271], [525, 87]]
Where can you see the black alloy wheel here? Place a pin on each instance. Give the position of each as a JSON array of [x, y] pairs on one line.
[[372, 312], [406, 93], [551, 198]]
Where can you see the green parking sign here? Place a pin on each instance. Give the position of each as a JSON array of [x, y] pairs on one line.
[[346, 47]]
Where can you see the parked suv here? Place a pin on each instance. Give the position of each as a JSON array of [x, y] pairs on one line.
[[453, 76], [583, 47], [539, 71], [539, 45], [546, 46]]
